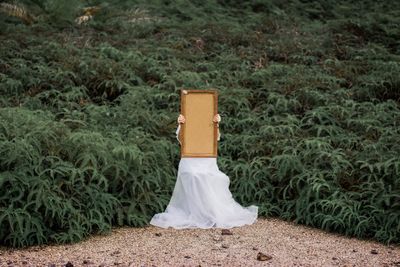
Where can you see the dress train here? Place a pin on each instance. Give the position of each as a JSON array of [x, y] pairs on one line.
[[201, 199]]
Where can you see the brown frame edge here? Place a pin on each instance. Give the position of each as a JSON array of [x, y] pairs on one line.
[[182, 111]]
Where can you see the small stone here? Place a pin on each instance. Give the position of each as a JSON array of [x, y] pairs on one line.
[[226, 232], [263, 257], [69, 264], [217, 238], [224, 246], [187, 257], [158, 234], [115, 253], [334, 258], [373, 251], [354, 250], [255, 248], [24, 262]]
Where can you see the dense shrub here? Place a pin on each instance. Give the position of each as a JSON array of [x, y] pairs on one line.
[[309, 101]]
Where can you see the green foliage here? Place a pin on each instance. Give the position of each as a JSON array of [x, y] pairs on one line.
[[309, 101]]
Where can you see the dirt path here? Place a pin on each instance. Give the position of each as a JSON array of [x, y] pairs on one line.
[[287, 243]]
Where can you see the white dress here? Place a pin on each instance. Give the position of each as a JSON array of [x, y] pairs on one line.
[[201, 199]]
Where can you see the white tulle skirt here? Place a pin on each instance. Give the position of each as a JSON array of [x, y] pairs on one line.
[[201, 199]]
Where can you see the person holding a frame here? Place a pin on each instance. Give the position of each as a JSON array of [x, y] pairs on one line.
[[201, 197]]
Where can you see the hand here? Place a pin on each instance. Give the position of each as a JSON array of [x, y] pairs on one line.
[[181, 119], [217, 118]]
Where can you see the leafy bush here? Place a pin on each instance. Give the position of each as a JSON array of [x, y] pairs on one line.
[[309, 102]]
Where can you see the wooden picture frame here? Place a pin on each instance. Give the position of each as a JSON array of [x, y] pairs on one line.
[[199, 133]]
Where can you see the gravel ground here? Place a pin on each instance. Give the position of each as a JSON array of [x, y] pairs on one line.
[[268, 242]]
